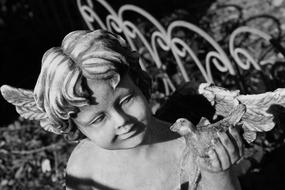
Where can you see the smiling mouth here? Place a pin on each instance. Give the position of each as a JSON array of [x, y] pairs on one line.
[[132, 132], [127, 135]]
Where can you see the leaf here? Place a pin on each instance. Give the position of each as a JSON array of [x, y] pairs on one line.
[[19, 173], [3, 151], [46, 165]]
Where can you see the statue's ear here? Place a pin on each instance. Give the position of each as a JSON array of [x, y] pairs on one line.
[[24, 102]]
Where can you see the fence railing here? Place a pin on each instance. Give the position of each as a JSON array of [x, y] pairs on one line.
[[173, 55]]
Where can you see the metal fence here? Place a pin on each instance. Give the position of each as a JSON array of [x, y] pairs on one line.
[[246, 58]]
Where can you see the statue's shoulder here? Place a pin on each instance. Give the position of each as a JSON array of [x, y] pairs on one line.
[[79, 169], [79, 161]]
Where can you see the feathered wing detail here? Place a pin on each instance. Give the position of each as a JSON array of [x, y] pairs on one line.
[[49, 126], [222, 99], [257, 117], [26, 106], [248, 135], [24, 102]]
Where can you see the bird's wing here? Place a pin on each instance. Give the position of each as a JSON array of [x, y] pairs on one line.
[[264, 100], [222, 99], [258, 116]]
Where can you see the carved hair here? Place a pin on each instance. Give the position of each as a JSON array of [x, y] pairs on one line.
[[61, 87]]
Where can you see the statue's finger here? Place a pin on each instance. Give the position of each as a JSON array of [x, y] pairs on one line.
[[229, 146], [222, 154], [237, 140]]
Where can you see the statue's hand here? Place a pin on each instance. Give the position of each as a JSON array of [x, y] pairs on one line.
[[227, 150]]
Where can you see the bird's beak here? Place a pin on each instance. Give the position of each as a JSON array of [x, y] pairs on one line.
[[174, 127]]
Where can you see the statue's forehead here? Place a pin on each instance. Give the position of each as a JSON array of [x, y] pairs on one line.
[[105, 97], [104, 90], [101, 90], [102, 95]]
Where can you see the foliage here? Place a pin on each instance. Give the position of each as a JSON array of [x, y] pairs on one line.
[[30, 158]]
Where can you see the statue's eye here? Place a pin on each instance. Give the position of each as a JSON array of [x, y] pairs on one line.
[[98, 118], [127, 99]]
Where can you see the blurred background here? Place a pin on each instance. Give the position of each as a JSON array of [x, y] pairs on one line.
[[31, 158]]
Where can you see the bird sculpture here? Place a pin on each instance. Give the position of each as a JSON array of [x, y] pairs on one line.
[[252, 113], [260, 108], [198, 138]]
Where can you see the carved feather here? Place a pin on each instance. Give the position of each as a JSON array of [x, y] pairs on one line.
[[26, 106], [257, 117], [24, 102], [222, 99], [49, 126]]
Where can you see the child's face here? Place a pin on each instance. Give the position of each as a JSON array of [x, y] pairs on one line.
[[119, 118]]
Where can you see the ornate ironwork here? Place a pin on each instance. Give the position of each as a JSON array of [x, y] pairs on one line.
[[165, 41]]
